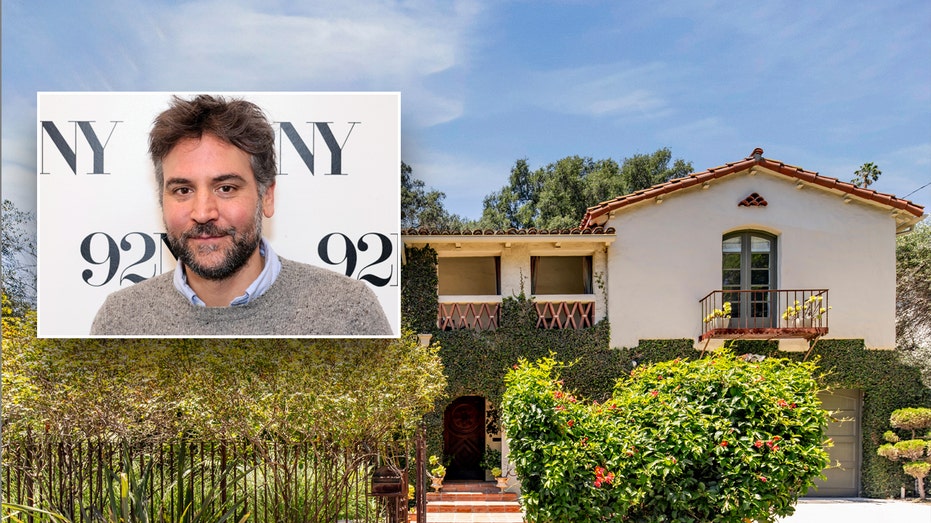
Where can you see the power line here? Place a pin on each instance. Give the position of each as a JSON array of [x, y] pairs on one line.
[[916, 190]]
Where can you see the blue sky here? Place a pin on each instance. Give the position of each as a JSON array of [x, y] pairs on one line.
[[823, 85]]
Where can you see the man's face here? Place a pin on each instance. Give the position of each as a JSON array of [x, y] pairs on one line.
[[211, 206]]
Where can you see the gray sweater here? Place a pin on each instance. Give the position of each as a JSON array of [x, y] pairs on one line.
[[304, 301]]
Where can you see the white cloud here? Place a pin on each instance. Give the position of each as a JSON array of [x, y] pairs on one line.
[[319, 46], [619, 90]]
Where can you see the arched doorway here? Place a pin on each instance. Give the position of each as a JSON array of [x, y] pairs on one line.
[[464, 437]]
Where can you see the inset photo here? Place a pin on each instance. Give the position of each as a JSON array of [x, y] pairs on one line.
[[218, 214]]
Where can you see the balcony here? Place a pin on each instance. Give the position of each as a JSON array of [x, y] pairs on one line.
[[484, 312], [765, 314]]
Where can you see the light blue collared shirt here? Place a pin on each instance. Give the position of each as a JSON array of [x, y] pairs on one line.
[[258, 287]]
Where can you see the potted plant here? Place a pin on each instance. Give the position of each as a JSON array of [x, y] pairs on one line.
[[437, 473], [806, 313], [719, 317], [501, 478]]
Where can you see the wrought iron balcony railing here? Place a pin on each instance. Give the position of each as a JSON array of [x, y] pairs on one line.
[[765, 314]]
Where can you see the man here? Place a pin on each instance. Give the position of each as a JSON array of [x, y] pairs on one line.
[[215, 167]]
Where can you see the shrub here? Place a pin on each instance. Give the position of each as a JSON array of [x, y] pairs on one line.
[[717, 439], [913, 450], [912, 419], [888, 451]]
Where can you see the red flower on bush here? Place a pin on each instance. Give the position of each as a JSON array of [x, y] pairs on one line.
[[570, 422], [782, 403], [763, 479], [602, 476], [772, 443], [654, 393], [724, 443], [758, 443]]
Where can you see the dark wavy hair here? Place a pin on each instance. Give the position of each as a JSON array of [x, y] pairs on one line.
[[236, 121]]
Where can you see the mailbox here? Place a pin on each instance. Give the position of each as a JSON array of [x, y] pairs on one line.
[[389, 482]]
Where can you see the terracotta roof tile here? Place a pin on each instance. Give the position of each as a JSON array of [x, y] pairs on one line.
[[596, 214], [423, 231]]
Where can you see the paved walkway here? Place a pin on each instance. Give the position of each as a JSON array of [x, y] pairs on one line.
[[859, 511]]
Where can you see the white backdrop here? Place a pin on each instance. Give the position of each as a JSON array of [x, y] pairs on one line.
[[100, 226]]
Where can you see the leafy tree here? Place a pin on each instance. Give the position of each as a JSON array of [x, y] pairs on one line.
[[18, 252], [557, 195], [866, 175], [515, 205], [645, 170], [424, 208], [913, 297]]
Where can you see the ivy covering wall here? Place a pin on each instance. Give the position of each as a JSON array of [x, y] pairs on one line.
[[476, 362]]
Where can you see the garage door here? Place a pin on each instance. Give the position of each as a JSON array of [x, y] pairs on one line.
[[842, 480]]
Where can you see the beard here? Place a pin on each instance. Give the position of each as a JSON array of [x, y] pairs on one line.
[[235, 256]]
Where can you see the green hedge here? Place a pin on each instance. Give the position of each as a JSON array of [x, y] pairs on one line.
[[717, 439], [476, 363], [887, 384], [419, 299]]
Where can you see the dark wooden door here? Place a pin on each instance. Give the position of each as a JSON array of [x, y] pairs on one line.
[[464, 437]]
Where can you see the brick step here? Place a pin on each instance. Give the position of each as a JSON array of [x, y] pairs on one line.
[[473, 518], [473, 502], [470, 496], [470, 486], [476, 507]]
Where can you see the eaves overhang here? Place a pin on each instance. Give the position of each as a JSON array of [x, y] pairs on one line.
[[576, 236]]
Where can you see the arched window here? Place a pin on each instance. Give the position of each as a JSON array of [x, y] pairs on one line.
[[748, 264]]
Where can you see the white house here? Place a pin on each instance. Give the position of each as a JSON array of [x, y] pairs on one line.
[[794, 255], [759, 234]]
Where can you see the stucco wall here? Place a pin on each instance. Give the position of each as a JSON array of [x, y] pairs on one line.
[[667, 257]]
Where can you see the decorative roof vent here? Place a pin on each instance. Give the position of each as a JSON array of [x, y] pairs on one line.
[[754, 200]]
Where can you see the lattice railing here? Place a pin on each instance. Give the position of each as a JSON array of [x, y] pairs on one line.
[[468, 315], [565, 314]]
